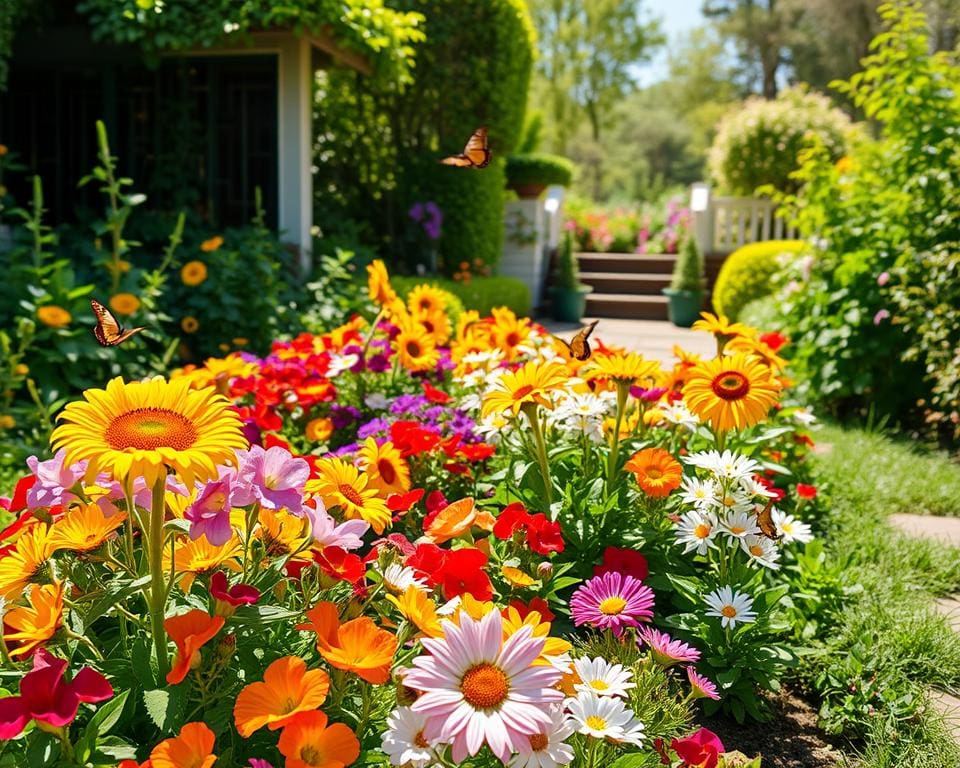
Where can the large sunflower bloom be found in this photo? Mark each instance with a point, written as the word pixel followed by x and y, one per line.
pixel 415 347
pixel 426 299
pixel 25 561
pixel 34 624
pixel 342 485
pixel 733 391
pixel 387 471
pixel 529 384
pixel 721 327
pixel 141 428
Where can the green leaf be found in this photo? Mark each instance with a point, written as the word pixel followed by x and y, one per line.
pixel 630 761
pixel 108 714
pixel 166 707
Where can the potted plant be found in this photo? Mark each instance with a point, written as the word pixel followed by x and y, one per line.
pixel 569 294
pixel 529 174
pixel 685 294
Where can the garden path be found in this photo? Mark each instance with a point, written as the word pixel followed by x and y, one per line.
pixel 654 339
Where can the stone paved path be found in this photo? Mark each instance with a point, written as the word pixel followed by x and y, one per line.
pixel 651 338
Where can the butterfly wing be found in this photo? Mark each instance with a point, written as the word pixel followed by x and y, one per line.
pixel 765 521
pixel 477 150
pixel 460 161
pixel 579 344
pixel 108 331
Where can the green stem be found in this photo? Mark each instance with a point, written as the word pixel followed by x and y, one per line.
pixel 156 598
pixel 532 413
pixel 623 391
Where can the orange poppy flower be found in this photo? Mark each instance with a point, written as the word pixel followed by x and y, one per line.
pixel 288 688
pixel 657 472
pixel 308 742
pixel 454 520
pixel 192 748
pixel 358 646
pixel 34 624
pixel 190 631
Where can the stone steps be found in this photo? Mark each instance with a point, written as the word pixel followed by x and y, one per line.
pixel 629 306
pixel 626 285
pixel 626 282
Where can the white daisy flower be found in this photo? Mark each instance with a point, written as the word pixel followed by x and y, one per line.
pixel 341 363
pixel 735 501
pixel 403 741
pixel 397 578
pixel 604 717
pixel 470 402
pixel 790 528
pixel 762 551
pixel 678 414
pixel 602 678
pixel 739 523
pixel 492 428
pixel 450 607
pixel 696 531
pixel 751 487
pixel 376 401
pixel 804 416
pixel 728 464
pixel 473 379
pixel 547 748
pixel 701 493
pixel 731 607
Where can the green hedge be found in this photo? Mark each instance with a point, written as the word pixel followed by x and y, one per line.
pixel 539 168
pixel 481 293
pixel 747 274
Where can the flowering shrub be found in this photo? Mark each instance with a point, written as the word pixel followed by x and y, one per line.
pixel 628 230
pixel 361 549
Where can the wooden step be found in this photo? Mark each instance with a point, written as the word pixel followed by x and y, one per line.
pixel 627 305
pixel 626 262
pixel 626 282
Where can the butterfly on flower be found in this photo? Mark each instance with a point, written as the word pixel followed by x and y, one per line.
pixel 475 155
pixel 108 331
pixel 579 346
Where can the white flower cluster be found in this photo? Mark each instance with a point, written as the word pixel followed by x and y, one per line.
pixel 582 413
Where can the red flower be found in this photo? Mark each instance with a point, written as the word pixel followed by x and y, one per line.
pixel 806 491
pixel 804 440
pixel 458 468
pixel 47 698
pixel 434 395
pixel 271 441
pixel 626 561
pixel 410 438
pixel 537 604
pixel 436 502
pixel 401 502
pixel 544 536
pixel 450 445
pixel 477 451
pixel 513 518
pixel 396 542
pixel 701 750
pixel 19 500
pixel 238 594
pixel 340 564
pixel 462 571
pixel 774 340
pixel 427 560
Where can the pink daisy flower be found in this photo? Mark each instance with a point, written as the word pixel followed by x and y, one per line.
pixel 612 601
pixel 479 688
pixel 665 650
pixel 701 687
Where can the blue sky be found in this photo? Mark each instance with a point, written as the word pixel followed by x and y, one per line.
pixel 677 18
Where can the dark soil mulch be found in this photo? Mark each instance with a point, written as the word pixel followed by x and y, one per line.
pixel 790 739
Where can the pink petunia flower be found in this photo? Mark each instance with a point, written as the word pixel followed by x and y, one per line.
pixel 612 601
pixel 327 533
pixel 272 477
pixel 481 689
pixel 665 650
pixel 54 480
pixel 209 515
pixel 701 687
pixel 47 698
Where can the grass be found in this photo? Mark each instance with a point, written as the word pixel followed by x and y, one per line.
pixel 889 629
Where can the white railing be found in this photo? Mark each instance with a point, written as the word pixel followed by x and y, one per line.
pixel 723 224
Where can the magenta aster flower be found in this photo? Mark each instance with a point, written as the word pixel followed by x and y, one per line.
pixel 273 477
pixel 209 515
pixel 612 601
pixel 479 688
pixel 701 687
pixel 665 650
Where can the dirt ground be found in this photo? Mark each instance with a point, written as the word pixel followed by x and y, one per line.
pixel 790 740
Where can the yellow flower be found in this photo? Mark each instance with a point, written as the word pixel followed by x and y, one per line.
pixel 627 368
pixel 517 578
pixel 22 564
pixel 508 332
pixel 217 372
pixel 426 299
pixel 53 316
pixel 283 534
pixel 142 428
pixel 3 149
pixel 21 370
pixel 417 608
pixel 124 303
pixel 415 347
pixel 553 646
pixel 211 244
pixel 34 624
pixel 721 327
pixel 7 421
pixel 378 284
pixel 733 391
pixel 342 485
pixel 437 324
pixel 193 273
pixel 758 349
pixel 193 557
pixel 189 324
pixel 240 341
pixel 387 471
pixel 530 384
pixel 844 164
pixel 319 430
pixel 84 528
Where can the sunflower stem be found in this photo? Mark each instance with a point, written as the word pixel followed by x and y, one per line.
pixel 157 596
pixel 531 411
pixel 623 391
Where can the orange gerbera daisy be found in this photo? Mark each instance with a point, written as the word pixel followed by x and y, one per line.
pixel 343 485
pixel 25 561
pixel 358 646
pixel 190 631
pixel 733 391
pixel 387 470
pixel 192 748
pixel 308 742
pixel 36 623
pixel 417 608
pixel 657 472
pixel 530 384
pixel 84 528
pixel 288 688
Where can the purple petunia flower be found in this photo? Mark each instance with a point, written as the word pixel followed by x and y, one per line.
pixel 209 515
pixel 379 363
pixel 373 428
pixel 54 480
pixel 612 601
pixel 273 477
pixel 664 649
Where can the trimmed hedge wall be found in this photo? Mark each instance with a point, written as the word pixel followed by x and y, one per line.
pixel 748 272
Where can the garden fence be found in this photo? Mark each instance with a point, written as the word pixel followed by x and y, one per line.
pixel 723 224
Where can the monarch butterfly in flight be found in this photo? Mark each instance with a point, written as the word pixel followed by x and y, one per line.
pixel 107 330
pixel 579 346
pixel 475 155
pixel 765 521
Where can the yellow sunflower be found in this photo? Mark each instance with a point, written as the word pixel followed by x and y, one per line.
pixel 124 303
pixel 416 348
pixel 733 391
pixel 84 528
pixel 32 625
pixel 378 284
pixel 426 299
pixel 628 368
pixel 141 428
pixel 193 273
pixel 437 324
pixel 387 471
pixel 189 324
pixel 721 327
pixel 24 563
pixel 758 349
pixel 530 384
pixel 508 331
pixel 343 485
pixel 193 557
pixel 282 534
pixel 53 316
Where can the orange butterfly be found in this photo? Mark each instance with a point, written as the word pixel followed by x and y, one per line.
pixel 475 155
pixel 765 521
pixel 579 346
pixel 107 330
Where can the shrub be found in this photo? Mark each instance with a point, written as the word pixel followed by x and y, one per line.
pixel 758 143
pixel 655 228
pixel 748 272
pixel 480 293
pixel 688 268
pixel 568 269
pixel 538 168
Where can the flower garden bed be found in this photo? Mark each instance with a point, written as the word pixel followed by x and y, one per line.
pixel 414 540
